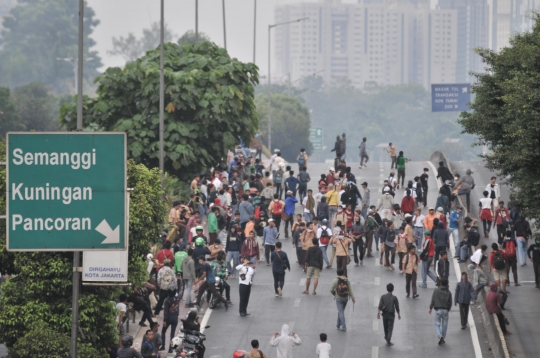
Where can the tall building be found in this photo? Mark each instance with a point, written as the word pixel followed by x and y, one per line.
pixel 508 17
pixel 385 41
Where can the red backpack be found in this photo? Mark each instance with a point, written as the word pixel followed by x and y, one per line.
pixel 278 208
pixel 510 249
pixel 257 212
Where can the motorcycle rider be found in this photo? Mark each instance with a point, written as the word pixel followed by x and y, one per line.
pixel 220 269
pixel 193 324
pixel 208 284
pixel 126 351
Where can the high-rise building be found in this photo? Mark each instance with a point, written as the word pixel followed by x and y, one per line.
pixel 508 17
pixel 385 41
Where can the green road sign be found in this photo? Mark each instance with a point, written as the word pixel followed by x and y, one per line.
pixel 66 191
pixel 315 134
pixel 317 146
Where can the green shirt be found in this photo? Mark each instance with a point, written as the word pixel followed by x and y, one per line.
pixel 212 223
pixel 178 258
pixel 401 162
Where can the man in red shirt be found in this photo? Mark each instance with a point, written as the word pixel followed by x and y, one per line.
pixel 497 260
pixel 502 220
pixel 350 217
pixel 164 253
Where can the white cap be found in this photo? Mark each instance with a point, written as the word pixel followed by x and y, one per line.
pixel 270 220
pixel 386 188
pixel 440 209
pixel 276 150
pixel 332 169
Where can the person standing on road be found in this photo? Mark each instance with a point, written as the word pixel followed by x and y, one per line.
pixel 166 279
pixel 400 166
pixel 270 236
pixel 341 289
pixel 332 198
pixel 280 263
pixel 250 248
pixel 392 151
pixel 358 244
pixel 324 348
pixel 276 207
pixel 388 306
pixel 441 239
pixel 497 259
pixel 418 227
pixel 171 310
pixel 523 232
pixel 313 266
pixel 245 279
pixel 509 246
pixel 463 296
pixel 308 203
pixel 386 202
pixel 534 255
pixel 502 220
pixel 285 342
pixel 363 153
pixel 324 234
pixel 306 240
pixel 209 283
pixel 343 146
pixel 453 227
pixel 366 196
pixel 424 178
pixel 410 267
pixel 290 203
pixel 494 193
pixel 441 300
pixel 189 275
pixel 428 252
pixel 486 215
pixel 467 184
pixel 302 160
pixel 342 243
pixel 304 178
pixel 246 213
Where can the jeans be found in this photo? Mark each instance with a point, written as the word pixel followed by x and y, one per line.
pixel 463 313
pixel 388 324
pixel 455 235
pixel 376 239
pixel 173 322
pixel 364 211
pixel 522 250
pixel 279 190
pixel 467 197
pixel 358 246
pixel 332 211
pixel 474 293
pixel 302 191
pixel 267 250
pixel 279 280
pixel 189 286
pixel 232 255
pixel 389 259
pixel 418 231
pixel 426 272
pixel 410 279
pixel 441 322
pixel 341 303
pixel 324 255
pixel 245 292
pixel 308 217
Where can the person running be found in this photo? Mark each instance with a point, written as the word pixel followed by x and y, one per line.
pixel 285 342
pixel 280 263
pixel 341 290
pixel 534 255
pixel 313 266
pixel 443 173
pixel 363 153
pixel 441 301
pixel 400 165
pixel 245 279
pixel 410 267
pixel 388 306
pixel 463 296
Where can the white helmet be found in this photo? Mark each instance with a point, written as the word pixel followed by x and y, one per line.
pixel 149 257
pixel 176 342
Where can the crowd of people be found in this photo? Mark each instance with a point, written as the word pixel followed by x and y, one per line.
pixel 231 224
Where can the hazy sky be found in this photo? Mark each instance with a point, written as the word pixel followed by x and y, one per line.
pixel 120 17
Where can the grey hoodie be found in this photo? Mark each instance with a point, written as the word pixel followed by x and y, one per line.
pixel 478 276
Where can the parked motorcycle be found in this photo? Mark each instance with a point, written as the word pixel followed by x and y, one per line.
pixel 189 344
pixel 212 300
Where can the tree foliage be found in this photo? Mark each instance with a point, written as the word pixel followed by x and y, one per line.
pixel 9 118
pixel 506 116
pixel 208 105
pixel 35 304
pixel 290 123
pixel 190 38
pixel 37 108
pixel 38 32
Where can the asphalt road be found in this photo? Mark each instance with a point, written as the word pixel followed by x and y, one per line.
pixel 310 315
pixel 521 309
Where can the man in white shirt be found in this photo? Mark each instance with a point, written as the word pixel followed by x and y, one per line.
pixel 418 227
pixel 323 244
pixel 245 277
pixel 323 348
pixel 122 309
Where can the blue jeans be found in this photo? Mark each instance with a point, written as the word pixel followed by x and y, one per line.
pixel 376 239
pixel 455 235
pixel 441 322
pixel 308 217
pixel 324 255
pixel 332 211
pixel 341 303
pixel 234 255
pixel 522 250
pixel 474 293
pixel 189 286
pixel 364 211
pixel 426 272
pixel 418 231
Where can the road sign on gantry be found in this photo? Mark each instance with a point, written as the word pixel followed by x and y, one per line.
pixel 66 191
pixel 450 97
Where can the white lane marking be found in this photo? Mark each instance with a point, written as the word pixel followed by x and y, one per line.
pixel 375 301
pixel 377 281
pixel 291 326
pixel 374 352
pixel 302 282
pixel 377 263
pixel 297 302
pixel 470 320
pixel 205 319
pixel 375 325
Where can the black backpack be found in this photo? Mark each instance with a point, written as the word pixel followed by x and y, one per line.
pixel 498 261
pixel 342 288
pixel 473 237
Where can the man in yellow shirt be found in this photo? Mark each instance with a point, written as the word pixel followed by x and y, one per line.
pixel 332 198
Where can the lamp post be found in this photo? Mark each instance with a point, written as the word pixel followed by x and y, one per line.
pixel 161 88
pixel 224 26
pixel 270 27
pixel 196 20
pixel 254 28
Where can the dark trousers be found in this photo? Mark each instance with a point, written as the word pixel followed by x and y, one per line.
pixel 299 255
pixel 358 246
pixel 401 175
pixel 159 306
pixel 147 315
pixel 369 243
pixel 438 250
pixel 172 324
pixel 388 324
pixel 463 313
pixel 277 220
pixel 267 250
pixel 410 278
pixel 424 196
pixel 387 251
pixel 536 267
pixel 279 190
pixel 342 263
pixel 245 291
pixel 302 191
pixel 393 164
pixel 227 290
pixel 279 280
pixel 501 230
pixel 502 323
pixel 287 223
pixel 401 255
pixel 212 237
pixel 511 263
pixel 210 287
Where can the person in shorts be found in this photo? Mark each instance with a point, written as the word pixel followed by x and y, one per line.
pixel 313 265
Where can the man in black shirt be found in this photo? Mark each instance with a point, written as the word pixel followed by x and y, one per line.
pixel 424 180
pixel 388 305
pixel 535 250
pixel 444 173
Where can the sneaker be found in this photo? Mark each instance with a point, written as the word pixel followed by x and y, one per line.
pixel 415 295
pixel 280 292
pixel 328 266
pixel 408 295
pixel 355 265
pixel 443 341
pixel 142 324
pixel 389 344
pixel 342 328
pixel 277 294
pixel 440 341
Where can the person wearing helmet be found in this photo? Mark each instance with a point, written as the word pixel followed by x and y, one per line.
pixel 240 354
pixel 199 250
pixel 126 351
pixel 209 283
pixel 199 234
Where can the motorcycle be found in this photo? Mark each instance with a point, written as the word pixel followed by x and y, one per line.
pixel 189 344
pixel 212 300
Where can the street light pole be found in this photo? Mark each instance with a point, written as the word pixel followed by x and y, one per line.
pixel 161 88
pixel 270 27
pixel 254 29
pixel 224 26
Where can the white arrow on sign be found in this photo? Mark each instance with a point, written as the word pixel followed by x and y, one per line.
pixel 112 236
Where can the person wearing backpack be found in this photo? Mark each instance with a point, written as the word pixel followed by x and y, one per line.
pixel 166 279
pixel 276 207
pixel 302 159
pixel 324 234
pixel 509 245
pixel 502 220
pixel 441 301
pixel 341 289
pixel 388 306
pixel 498 266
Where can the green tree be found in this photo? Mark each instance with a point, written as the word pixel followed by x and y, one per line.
pixel 290 123
pixel 131 48
pixel 189 37
pixel 505 115
pixel 37 300
pixel 9 118
pixel 39 32
pixel 209 104
pixel 37 108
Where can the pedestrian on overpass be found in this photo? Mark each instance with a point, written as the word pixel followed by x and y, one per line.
pixel 441 301
pixel 443 173
pixel 467 184
pixel 424 178
pixel 410 267
pixel 363 153
pixel 285 342
pixel 392 151
pixel 463 296
pixel 341 289
pixel 388 306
